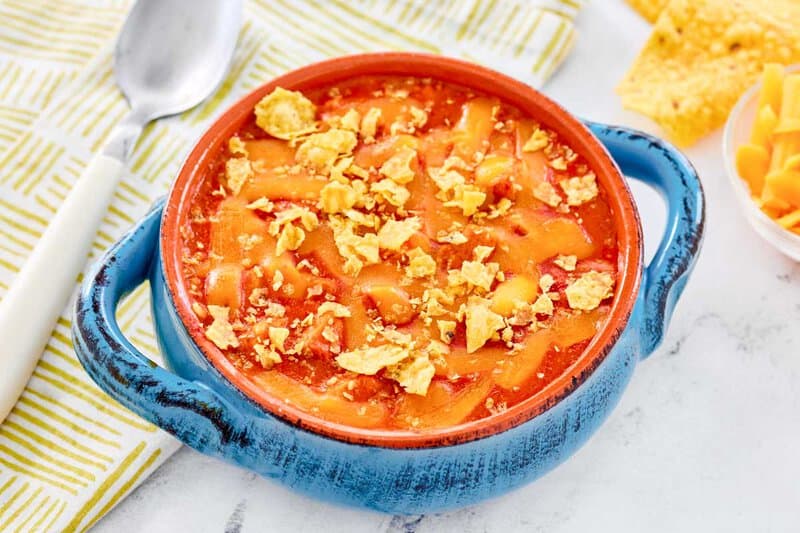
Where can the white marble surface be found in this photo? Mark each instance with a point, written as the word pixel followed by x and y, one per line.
pixel 706 437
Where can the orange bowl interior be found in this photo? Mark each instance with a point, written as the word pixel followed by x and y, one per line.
pixel 528 100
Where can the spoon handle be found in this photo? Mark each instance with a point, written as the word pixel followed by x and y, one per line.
pixel 31 307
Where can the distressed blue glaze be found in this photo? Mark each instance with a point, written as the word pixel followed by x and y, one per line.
pixel 199 406
pixel 662 166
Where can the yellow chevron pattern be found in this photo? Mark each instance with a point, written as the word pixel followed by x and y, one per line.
pixel 68 453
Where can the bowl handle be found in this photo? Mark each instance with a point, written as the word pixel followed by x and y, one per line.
pixel 187 409
pixel 661 165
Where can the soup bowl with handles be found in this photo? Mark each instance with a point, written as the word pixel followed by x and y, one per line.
pixel 202 399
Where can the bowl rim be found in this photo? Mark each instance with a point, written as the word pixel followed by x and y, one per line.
pixel 487 81
pixel 765 226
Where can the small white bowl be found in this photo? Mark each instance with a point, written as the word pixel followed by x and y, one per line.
pixel 737 132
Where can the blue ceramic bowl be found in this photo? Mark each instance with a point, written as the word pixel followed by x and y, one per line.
pixel 200 405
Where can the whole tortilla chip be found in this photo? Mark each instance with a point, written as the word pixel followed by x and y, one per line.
pixel 702 55
pixel 649 9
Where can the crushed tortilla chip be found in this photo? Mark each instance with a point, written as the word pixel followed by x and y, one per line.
pixel 336 197
pixel 220 332
pixel 702 55
pixel 398 167
pixel 290 238
pixel 389 191
pixel 420 264
pixel 285 114
pixel 237 171
pixel 413 374
pixel 481 323
pixel 320 150
pixel 395 233
pixel 371 360
pixel 580 189
pixel 266 356
pixel 589 290
pixel 369 125
pixel 277 337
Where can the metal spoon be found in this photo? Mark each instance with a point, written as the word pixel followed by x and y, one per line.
pixel 170 56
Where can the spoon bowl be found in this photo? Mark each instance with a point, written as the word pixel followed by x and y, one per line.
pixel 165 54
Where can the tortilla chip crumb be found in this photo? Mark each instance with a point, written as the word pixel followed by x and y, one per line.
pixel 350 120
pixel 566 262
pixel 336 197
pixel 390 191
pixel 589 290
pixel 420 264
pixel 237 171
pixel 398 167
pixel 537 141
pixel 481 322
pixel 394 233
pixel 277 337
pixel 285 114
pixel 543 305
pixel 320 150
pixel 580 190
pixel 291 238
pixel 467 197
pixel 371 360
pixel 220 332
pixel 266 356
pixel 547 194
pixel 419 117
pixel 414 374
pixel 447 330
pixel 336 309
pixel 237 146
pixel 369 125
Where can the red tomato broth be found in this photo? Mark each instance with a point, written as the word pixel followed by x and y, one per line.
pixel 317 371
